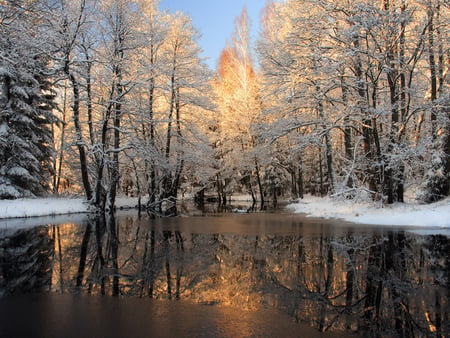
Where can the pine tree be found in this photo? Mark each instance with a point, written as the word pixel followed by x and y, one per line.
pixel 26 110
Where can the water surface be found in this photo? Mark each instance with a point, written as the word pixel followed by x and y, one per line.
pixel 224 275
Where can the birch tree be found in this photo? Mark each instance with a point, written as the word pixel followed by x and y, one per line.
pixel 239 103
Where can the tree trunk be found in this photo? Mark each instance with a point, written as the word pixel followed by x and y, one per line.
pixel 100 198
pixel 321 187
pixel 329 155
pixel 260 187
pixel 62 142
pixel 80 143
pixel 347 132
pixel 180 161
pixel 115 174
pixel 118 73
pixel 432 64
pixel 367 127
pixel 167 176
pixel 89 95
pixel 152 184
pixel 389 183
pixel 301 189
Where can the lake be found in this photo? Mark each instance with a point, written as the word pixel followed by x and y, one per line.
pixel 222 275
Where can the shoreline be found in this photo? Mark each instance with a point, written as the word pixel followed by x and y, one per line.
pixel 436 215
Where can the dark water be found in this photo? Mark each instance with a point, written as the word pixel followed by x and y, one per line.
pixel 223 275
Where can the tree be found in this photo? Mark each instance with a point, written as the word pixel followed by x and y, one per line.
pixel 239 103
pixel 65 34
pixel 119 35
pixel 298 63
pixel 185 100
pixel 26 104
pixel 437 177
pixel 353 77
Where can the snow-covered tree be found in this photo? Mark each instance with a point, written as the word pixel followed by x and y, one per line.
pixel 299 77
pixel 239 105
pixel 354 79
pixel 437 177
pixel 185 100
pixel 26 103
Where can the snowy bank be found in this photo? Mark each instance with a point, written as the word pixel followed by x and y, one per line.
pixel 29 207
pixel 399 214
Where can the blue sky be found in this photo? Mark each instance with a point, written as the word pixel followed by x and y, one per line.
pixel 215 20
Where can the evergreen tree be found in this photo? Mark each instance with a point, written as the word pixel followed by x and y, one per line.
pixel 26 105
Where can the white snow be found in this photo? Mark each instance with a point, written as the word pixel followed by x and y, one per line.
pixel 399 214
pixel 30 207
pixel 36 207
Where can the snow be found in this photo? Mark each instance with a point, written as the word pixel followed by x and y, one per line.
pixel 28 207
pixel 4 129
pixel 435 215
pixel 36 207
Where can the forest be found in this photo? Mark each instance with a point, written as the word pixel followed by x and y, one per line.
pixel 340 98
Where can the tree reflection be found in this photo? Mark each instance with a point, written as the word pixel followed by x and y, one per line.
pixel 379 284
pixel 25 261
pixel 83 254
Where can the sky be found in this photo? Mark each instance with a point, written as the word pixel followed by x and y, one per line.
pixel 215 21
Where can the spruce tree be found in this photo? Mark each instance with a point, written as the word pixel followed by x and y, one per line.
pixel 26 110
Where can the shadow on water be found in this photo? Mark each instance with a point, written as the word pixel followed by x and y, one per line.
pixel 230 270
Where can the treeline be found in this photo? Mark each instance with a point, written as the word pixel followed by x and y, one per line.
pixel 359 93
pixel 113 97
pixel 131 93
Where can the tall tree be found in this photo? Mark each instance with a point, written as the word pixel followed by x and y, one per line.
pixel 65 37
pixel 187 79
pixel 437 178
pixel 120 42
pixel 26 102
pixel 298 64
pixel 239 103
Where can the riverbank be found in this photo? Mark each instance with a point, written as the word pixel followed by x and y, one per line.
pixel 400 214
pixel 36 207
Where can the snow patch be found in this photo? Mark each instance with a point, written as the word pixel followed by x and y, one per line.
pixel 399 214
pixel 29 207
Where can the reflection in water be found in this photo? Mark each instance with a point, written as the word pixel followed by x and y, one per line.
pixel 25 261
pixel 376 283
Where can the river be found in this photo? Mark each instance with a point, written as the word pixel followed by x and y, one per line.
pixel 222 275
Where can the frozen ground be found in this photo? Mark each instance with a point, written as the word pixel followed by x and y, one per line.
pixel 435 215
